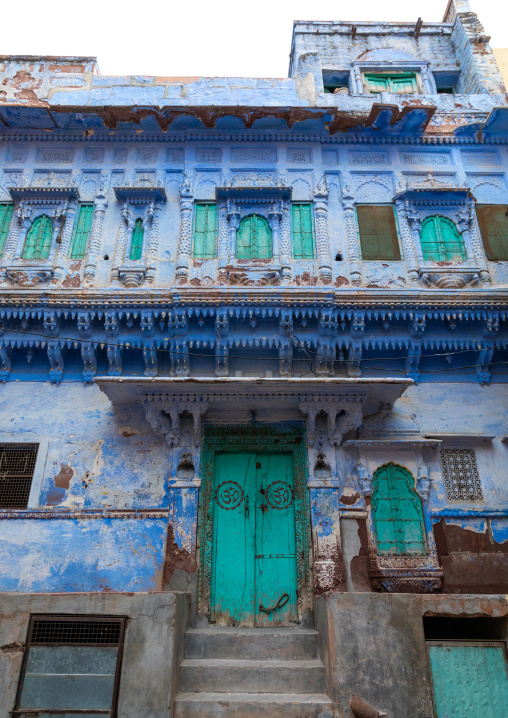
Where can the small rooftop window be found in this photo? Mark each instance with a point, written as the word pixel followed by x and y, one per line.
pixel 399 83
pixel 335 80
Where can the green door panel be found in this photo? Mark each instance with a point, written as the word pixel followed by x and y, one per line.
pixel 82 231
pixel 38 239
pixel 254 572
pixel 441 240
pixel 275 541
pixel 232 597
pixel 397 512
pixel 303 240
pixel 254 238
pixel 6 211
pixel 205 231
pixel 469 681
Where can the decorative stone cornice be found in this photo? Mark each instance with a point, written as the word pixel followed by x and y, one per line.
pixel 84 514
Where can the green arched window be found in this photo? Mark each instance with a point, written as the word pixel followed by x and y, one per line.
pixel 397 512
pixel 38 239
pixel 254 238
pixel 137 241
pixel 441 240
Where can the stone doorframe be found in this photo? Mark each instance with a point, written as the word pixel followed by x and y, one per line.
pixel 261 438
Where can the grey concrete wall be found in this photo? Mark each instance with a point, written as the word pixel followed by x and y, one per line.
pixel 374 646
pixel 153 649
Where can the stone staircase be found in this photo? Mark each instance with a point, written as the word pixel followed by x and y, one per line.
pixel 251 672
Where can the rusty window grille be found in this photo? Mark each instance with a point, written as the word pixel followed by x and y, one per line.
pixel 460 474
pixel 17 465
pixel 71 667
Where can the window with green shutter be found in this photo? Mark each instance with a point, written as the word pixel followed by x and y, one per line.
pixel 378 232
pixel 441 241
pixel 82 231
pixel 205 231
pixel 303 239
pixel 397 512
pixel 137 241
pixel 404 83
pixel 493 221
pixel 5 222
pixel 254 238
pixel 38 239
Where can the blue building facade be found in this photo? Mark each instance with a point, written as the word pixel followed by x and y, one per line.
pixel 200 265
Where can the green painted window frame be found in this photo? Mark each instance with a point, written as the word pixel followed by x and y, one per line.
pixel 136 250
pixel 391 82
pixel 303 230
pixel 397 513
pixel 493 223
pixel 6 211
pixel 38 239
pixel 387 242
pixel 254 238
pixel 82 231
pixel 441 241
pixel 205 230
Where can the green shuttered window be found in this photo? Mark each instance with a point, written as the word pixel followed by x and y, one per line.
pixel 378 232
pixel 441 241
pixel 402 82
pixel 82 231
pixel 38 239
pixel 205 231
pixel 303 239
pixel 5 222
pixel 397 512
pixel 493 221
pixel 137 241
pixel 254 238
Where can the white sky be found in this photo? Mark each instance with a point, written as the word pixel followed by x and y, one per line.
pixel 241 38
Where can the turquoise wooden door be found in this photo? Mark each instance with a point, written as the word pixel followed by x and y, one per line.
pixel 254 573
pixel 469 680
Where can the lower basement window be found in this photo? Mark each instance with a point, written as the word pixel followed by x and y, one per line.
pixel 71 665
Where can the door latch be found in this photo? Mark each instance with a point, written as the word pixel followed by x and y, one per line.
pixel 247 506
pixel 281 602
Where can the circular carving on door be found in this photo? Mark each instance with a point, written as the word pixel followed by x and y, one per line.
pixel 229 495
pixel 279 495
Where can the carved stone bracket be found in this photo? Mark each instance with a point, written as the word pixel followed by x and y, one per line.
pixel 29 275
pixel 131 275
pixel 164 416
pixel 342 416
pixel 450 277
pixel 405 574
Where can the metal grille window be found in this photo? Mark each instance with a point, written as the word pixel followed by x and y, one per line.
pixel 71 666
pixel 17 464
pixel 460 473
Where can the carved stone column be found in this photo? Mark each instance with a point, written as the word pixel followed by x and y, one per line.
pixel 124 233
pixel 153 242
pixel 285 244
pixel 234 223
pixel 223 238
pixel 324 259
pixel 358 84
pixel 63 248
pixel 409 226
pixel 468 225
pixel 429 87
pixel 185 236
pixel 353 245
pixel 274 218
pixel 94 243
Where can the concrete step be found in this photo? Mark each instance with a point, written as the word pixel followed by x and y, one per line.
pixel 248 676
pixel 251 705
pixel 285 644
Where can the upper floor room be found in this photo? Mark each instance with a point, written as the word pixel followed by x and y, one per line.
pixel 398 58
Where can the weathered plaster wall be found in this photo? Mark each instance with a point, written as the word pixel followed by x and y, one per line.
pixel 375 647
pixel 153 646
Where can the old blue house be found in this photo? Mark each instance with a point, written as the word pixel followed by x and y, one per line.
pixel 253 346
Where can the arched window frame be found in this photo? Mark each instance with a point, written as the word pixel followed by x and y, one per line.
pixel 405 477
pixel 256 251
pixel 441 253
pixel 39 249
